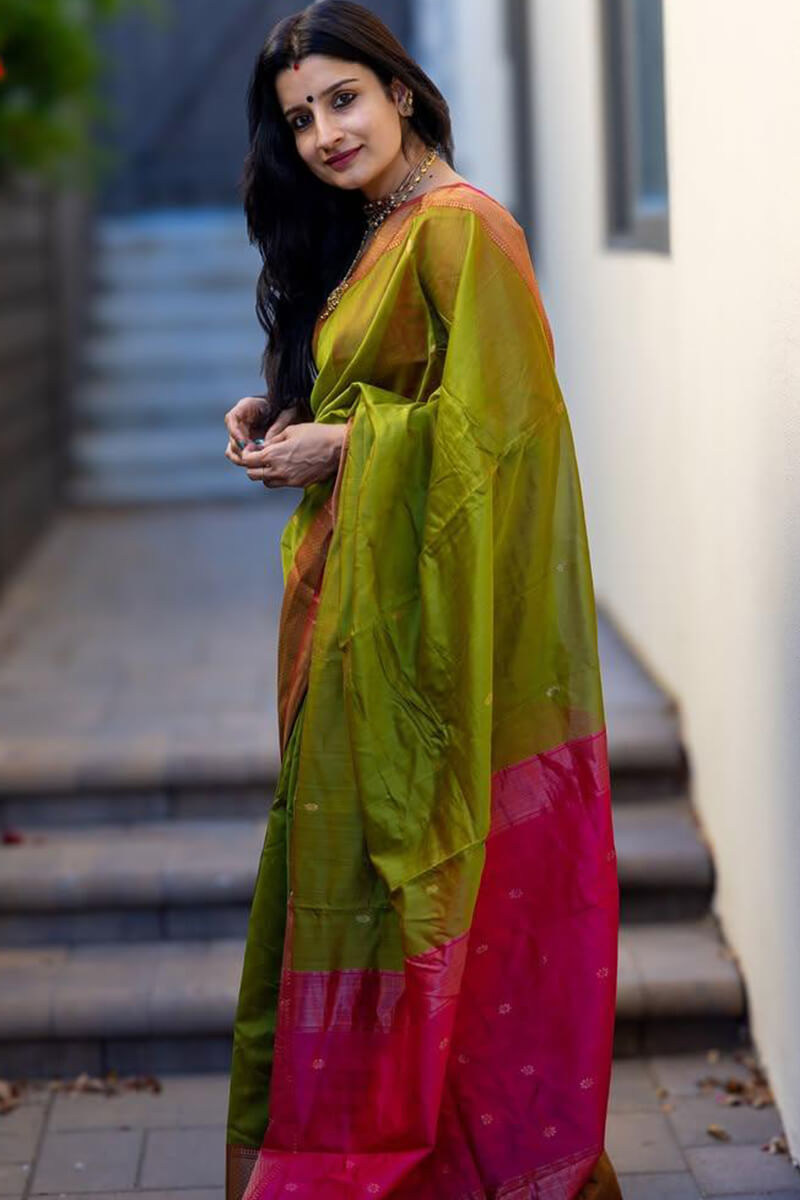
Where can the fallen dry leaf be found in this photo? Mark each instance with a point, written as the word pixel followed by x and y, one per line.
pixel 716 1131
pixel 9 1096
pixel 776 1145
pixel 109 1085
pixel 733 1091
pixel 145 1083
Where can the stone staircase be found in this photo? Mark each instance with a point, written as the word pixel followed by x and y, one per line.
pixel 123 912
pixel 173 342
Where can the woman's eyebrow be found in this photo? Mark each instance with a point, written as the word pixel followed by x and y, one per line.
pixel 324 92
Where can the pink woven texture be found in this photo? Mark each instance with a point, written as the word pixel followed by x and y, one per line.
pixel 483 1069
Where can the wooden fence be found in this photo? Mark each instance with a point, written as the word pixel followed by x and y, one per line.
pixel 43 285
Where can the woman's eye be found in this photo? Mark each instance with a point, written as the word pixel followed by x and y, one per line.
pixel 346 97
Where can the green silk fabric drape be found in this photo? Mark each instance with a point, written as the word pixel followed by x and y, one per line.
pixel 439 652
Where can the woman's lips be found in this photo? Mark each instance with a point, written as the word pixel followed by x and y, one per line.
pixel 339 164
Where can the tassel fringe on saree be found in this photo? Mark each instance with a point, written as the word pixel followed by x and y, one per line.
pixel 427 1001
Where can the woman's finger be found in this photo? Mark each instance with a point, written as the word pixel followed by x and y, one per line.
pixel 281 422
pixel 253 456
pixel 235 428
pixel 232 453
pixel 279 435
pixel 238 427
pixel 261 475
pixel 258 468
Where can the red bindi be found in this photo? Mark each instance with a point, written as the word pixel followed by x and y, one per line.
pixel 297 66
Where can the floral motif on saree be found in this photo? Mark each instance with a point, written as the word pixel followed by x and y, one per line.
pixel 442 953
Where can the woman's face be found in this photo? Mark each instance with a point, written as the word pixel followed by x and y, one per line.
pixel 333 106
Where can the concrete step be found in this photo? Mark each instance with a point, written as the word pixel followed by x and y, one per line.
pixel 166 252
pixel 169 1006
pixel 137 663
pixel 194 787
pixel 151 682
pixel 183 311
pixel 161 229
pixel 122 775
pixel 173 342
pixel 188 879
pixel 214 271
pixel 664 864
pixel 155 465
pixel 643 721
pixel 142 487
pixel 181 399
pixel 181 879
pixel 157 448
pixel 173 269
pixel 679 989
pixel 113 353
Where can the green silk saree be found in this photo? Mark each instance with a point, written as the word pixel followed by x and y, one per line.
pixel 427 1000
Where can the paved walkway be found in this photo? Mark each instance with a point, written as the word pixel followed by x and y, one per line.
pixel 139 647
pixel 140 643
pixel 171 1144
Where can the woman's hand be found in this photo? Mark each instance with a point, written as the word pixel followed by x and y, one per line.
pixel 301 454
pixel 247 420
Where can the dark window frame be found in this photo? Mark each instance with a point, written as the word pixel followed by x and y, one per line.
pixel 517 28
pixel 630 224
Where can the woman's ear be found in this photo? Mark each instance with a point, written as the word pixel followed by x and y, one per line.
pixel 403 98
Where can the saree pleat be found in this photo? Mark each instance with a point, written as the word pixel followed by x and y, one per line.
pixel 427 1000
pixel 257 1007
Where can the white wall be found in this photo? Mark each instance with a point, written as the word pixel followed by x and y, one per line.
pixel 682 376
pixel 452 39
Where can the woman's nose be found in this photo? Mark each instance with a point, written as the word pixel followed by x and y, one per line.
pixel 328 132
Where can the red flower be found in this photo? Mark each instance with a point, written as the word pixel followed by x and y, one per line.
pixel 2 69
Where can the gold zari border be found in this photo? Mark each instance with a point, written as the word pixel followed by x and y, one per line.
pixel 239 1163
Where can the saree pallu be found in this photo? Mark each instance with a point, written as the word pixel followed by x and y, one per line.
pixel 427 1000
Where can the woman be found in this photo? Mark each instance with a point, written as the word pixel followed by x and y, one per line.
pixel 427 999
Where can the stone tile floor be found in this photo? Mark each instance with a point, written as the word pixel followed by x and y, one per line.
pixel 136 640
pixel 139 645
pixel 171 1144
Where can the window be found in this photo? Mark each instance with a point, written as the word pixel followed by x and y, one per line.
pixel 636 157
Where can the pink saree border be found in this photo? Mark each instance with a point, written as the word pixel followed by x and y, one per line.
pixel 482 1069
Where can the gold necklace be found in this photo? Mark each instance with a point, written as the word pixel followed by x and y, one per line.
pixel 376 212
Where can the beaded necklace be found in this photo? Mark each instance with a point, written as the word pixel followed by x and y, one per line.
pixel 376 212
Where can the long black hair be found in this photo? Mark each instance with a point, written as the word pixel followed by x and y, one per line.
pixel 308 231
